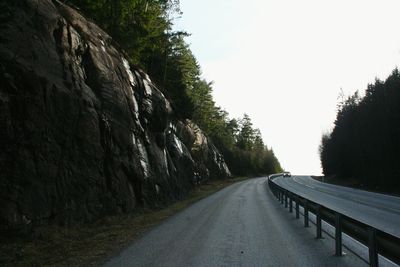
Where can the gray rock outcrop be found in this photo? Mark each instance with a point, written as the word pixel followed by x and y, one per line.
pixel 84 134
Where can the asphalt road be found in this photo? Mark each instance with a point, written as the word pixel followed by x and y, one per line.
pixel 241 225
pixel 378 210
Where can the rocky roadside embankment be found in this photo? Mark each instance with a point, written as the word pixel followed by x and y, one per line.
pixel 84 134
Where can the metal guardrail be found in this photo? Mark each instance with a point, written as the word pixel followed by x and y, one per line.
pixel 377 241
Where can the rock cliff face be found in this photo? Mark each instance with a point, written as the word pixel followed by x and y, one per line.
pixel 83 133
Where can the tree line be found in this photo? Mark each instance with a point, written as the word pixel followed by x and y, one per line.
pixel 364 144
pixel 143 29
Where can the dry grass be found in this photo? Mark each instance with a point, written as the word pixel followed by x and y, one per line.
pixel 91 244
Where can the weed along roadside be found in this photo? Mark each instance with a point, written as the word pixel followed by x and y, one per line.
pixel 91 244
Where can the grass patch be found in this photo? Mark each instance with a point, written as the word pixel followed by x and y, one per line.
pixel 91 244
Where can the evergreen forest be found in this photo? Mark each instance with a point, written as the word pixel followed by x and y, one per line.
pixel 364 144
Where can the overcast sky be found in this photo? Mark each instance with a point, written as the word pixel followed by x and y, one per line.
pixel 283 62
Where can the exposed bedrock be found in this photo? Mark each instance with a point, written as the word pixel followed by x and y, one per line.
pixel 83 133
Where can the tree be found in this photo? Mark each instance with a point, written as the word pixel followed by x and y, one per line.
pixel 246 135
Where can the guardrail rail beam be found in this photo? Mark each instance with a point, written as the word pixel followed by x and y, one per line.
pixel 375 239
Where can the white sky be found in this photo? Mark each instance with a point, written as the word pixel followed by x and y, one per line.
pixel 283 62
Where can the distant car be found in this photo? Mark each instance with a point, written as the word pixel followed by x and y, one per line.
pixel 286 174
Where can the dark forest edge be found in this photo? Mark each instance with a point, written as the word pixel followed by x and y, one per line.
pixel 363 148
pixel 143 29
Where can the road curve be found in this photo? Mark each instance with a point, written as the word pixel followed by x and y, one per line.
pixel 241 225
pixel 378 210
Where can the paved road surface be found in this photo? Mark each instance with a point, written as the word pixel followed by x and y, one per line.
pixel 241 225
pixel 378 210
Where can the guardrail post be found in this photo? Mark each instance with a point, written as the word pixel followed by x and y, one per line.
pixel 373 250
pixel 286 200
pixel 297 207
pixel 305 213
pixel 338 234
pixel 290 204
pixel 319 228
